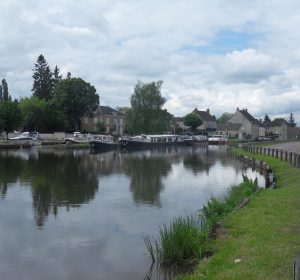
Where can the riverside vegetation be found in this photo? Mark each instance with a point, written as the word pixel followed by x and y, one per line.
pixel 187 239
pixel 259 241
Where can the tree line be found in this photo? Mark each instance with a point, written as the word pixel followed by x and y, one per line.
pixel 56 103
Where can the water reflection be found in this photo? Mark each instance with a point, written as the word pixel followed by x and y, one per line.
pixel 72 214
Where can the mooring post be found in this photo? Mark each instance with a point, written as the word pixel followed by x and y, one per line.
pixel 285 156
pixel 281 154
pixel 296 272
pixel 290 157
pixel 268 151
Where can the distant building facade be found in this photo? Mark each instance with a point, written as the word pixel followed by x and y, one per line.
pixel 249 125
pixel 232 130
pixel 278 128
pixel 209 122
pixel 113 120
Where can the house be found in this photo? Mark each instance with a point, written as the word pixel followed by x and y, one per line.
pixel 250 125
pixel 278 128
pixel 209 123
pixel 232 130
pixel 113 120
pixel 293 133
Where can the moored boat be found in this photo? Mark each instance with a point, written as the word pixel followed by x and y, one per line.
pixel 104 142
pixel 148 141
pixel 78 138
pixel 196 140
pixel 218 140
pixel 25 139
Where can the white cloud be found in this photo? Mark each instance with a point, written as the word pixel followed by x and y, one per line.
pixel 112 44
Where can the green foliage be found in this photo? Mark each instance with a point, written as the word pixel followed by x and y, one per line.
pixel 192 120
pixel 42 79
pixel 100 127
pixel 291 120
pixel 75 98
pixel 189 238
pixel 41 115
pixel 10 116
pixel 146 114
pixel 224 118
pixel 5 94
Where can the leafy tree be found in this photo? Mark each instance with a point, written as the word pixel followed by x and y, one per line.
pixel 291 120
pixel 75 98
pixel 5 94
pixel 56 77
pixel 224 118
pixel 192 120
pixel 100 127
pixel 42 79
pixel 267 120
pixel 10 116
pixel 146 114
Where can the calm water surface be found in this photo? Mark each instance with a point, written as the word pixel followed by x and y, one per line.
pixel 72 214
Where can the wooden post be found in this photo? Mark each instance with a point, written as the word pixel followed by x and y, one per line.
pixel 290 157
pixel 276 153
pixel 268 151
pixel 285 156
pixel 296 274
pixel 281 154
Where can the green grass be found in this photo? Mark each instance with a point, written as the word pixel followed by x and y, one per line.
pixel 187 239
pixel 264 235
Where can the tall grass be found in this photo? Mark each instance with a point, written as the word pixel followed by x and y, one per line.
pixel 186 239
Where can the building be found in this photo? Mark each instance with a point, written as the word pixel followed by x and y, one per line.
pixel 209 122
pixel 232 130
pixel 249 125
pixel 113 120
pixel 278 128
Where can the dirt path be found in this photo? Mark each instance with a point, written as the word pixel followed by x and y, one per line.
pixel 293 147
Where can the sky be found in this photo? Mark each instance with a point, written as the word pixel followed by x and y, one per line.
pixel 212 54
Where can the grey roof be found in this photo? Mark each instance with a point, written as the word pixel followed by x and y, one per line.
pixel 228 126
pixel 278 122
pixel 106 110
pixel 204 115
pixel 248 116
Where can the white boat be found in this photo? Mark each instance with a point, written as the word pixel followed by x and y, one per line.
pixel 103 142
pixel 78 138
pixel 196 140
pixel 25 139
pixel 218 140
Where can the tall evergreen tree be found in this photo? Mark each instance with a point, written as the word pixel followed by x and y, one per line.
pixel 69 75
pixel 266 121
pixel 5 94
pixel 56 77
pixel 291 120
pixel 42 79
pixel 1 95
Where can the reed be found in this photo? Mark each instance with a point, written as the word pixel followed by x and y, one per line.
pixel 187 239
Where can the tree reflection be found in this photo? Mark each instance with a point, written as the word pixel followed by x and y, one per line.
pixel 198 163
pixel 56 180
pixel 146 178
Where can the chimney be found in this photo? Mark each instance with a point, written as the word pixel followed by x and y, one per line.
pixel 207 110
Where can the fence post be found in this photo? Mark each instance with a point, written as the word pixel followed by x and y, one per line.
pixel 296 274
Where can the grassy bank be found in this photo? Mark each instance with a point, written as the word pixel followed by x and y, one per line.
pixel 188 239
pixel 264 236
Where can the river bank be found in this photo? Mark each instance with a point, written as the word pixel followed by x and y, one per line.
pixel 259 241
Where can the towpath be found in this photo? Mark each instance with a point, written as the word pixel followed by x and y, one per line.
pixel 293 147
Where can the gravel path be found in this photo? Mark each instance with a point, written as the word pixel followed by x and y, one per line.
pixel 293 147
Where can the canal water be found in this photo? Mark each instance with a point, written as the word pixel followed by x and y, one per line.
pixel 74 214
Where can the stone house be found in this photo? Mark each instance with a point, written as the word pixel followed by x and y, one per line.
pixel 250 125
pixel 113 120
pixel 232 130
pixel 209 122
pixel 278 128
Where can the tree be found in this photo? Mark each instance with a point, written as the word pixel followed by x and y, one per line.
pixel 69 75
pixel 291 120
pixel 42 79
pixel 56 77
pixel 1 94
pixel 75 98
pixel 5 94
pixel 224 118
pixel 100 127
pixel 146 114
pixel 10 116
pixel 266 121
pixel 192 120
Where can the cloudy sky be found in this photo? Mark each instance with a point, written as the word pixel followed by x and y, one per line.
pixel 213 54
